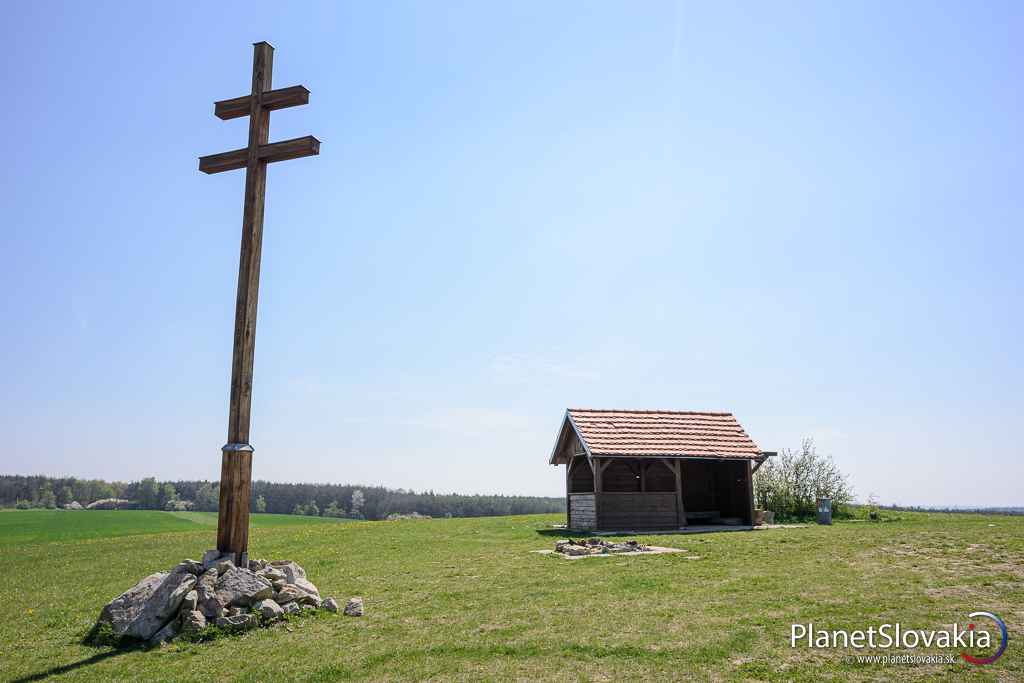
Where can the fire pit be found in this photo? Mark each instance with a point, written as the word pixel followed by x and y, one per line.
pixel 597 546
pixel 569 549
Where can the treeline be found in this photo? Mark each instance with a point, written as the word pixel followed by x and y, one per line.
pixel 332 500
pixel 959 510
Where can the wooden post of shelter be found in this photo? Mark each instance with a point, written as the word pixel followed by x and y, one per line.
pixel 236 454
pixel 677 470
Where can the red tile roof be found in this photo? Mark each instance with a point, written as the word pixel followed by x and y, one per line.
pixel 662 433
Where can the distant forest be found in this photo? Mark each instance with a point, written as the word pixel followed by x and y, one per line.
pixel 325 500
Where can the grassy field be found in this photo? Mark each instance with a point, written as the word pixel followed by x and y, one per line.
pixel 466 599
pixel 47 526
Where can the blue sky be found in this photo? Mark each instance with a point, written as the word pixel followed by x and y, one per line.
pixel 808 214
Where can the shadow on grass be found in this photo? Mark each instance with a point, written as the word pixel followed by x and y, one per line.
pixel 65 668
pixel 98 637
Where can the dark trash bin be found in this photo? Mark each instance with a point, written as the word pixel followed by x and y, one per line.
pixel 824 511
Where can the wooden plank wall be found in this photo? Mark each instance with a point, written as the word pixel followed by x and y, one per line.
pixel 637 511
pixel 582 511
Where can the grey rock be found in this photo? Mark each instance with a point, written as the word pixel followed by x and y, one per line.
pixel 290 569
pixel 193 621
pixel 279 584
pixel 212 609
pixel 330 604
pixel 224 566
pixel 239 586
pixel 111 504
pixel 308 608
pixel 573 549
pixel 210 558
pixel 269 609
pixel 123 610
pixel 166 634
pixel 308 599
pixel 190 566
pixel 354 607
pixel 257 565
pixel 191 601
pixel 145 608
pixel 239 621
pixel 291 608
pixel 288 594
pixel 74 505
pixel 307 586
pixel 208 579
pixel 206 590
pixel 272 574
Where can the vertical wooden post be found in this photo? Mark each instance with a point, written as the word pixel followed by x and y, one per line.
pixel 750 489
pixel 236 458
pixel 677 469
pixel 643 476
pixel 568 493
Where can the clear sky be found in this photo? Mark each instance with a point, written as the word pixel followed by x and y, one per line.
pixel 809 214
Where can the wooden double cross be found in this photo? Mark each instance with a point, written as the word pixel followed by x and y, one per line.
pixel 236 454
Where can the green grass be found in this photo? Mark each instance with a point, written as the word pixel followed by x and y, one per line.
pixel 466 599
pixel 37 526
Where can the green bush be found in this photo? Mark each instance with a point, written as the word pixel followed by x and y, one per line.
pixel 790 484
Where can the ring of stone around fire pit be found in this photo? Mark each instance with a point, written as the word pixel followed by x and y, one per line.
pixel 597 546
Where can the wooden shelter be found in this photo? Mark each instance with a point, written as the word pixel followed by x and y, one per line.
pixel 634 470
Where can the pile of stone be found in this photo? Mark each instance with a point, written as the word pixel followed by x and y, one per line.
pixel 597 546
pixel 194 595
pixel 112 504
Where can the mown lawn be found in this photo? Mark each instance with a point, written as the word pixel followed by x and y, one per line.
pixel 19 527
pixel 466 599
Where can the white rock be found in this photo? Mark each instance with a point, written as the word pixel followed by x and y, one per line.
pixel 272 574
pixel 211 558
pixel 288 594
pixel 190 602
pixel 307 586
pixel 190 566
pixel 269 609
pixel 239 586
pixel 145 608
pixel 206 590
pixel 239 621
pixel 123 610
pixel 193 621
pixel 290 569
